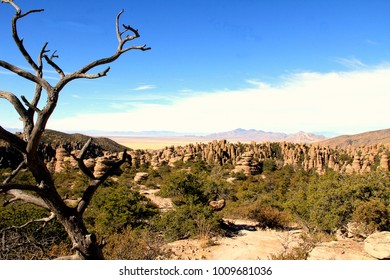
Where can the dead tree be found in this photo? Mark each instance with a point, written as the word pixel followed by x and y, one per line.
pixel 44 192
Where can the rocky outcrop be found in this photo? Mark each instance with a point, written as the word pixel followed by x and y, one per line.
pixel 247 164
pixel 241 157
pixel 377 245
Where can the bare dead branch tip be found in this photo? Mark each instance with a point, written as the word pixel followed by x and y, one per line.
pixel 29 105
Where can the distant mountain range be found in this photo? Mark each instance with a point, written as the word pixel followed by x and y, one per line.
pixel 244 135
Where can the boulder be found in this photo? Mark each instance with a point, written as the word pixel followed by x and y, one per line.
pixel 378 245
pixel 140 176
pixel 217 205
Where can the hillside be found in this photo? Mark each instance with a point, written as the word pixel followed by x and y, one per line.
pixel 361 139
pixel 55 137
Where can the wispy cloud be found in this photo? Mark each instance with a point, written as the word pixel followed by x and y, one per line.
pixel 144 87
pixel 351 62
pixel 372 42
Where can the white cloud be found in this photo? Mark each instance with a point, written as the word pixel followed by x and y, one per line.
pixel 344 102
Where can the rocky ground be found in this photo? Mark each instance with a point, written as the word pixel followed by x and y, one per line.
pixel 247 242
pixel 255 244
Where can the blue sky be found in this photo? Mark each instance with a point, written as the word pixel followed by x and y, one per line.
pixel 214 65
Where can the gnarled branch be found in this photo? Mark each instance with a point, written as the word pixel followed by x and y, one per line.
pixel 90 191
pixel 11 98
pixel 25 197
pixel 80 160
pixel 83 72
pixel 42 220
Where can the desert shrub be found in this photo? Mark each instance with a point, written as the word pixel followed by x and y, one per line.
pixel 135 244
pixel 182 186
pixel 305 245
pixel 239 175
pixel 214 189
pixel 372 215
pixel 327 202
pixel 114 208
pixel 268 165
pixel 188 220
pixel 269 217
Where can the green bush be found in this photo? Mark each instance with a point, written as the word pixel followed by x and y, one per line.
pixel 373 215
pixel 114 208
pixel 189 220
pixel 182 186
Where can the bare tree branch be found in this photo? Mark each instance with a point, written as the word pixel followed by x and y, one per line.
pixel 25 74
pixel 42 220
pixel 80 160
pixel 90 191
pixel 82 73
pixel 27 198
pixel 29 105
pixel 11 98
pixel 14 173
pixel 69 258
pixel 50 61
pixel 19 42
pixel 13 140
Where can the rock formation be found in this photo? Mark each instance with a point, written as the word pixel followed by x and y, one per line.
pixel 384 163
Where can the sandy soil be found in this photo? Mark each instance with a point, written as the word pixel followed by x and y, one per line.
pixel 154 143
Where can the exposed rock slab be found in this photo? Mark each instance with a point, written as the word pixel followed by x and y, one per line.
pixel 339 250
pixel 378 245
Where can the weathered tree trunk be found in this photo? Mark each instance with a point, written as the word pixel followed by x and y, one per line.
pixel 44 193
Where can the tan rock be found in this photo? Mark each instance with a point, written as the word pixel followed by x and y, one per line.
pixel 384 163
pixel 339 250
pixel 217 205
pixel 378 245
pixel 140 176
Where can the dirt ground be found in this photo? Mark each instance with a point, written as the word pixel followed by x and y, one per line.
pixel 248 243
